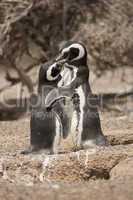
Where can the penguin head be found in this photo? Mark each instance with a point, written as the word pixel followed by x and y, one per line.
pixel 73 53
pixel 49 74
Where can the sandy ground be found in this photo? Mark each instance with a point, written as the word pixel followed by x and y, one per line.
pixel 100 173
pixel 96 173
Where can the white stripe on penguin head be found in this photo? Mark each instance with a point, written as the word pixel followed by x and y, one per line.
pixel 49 73
pixel 77 46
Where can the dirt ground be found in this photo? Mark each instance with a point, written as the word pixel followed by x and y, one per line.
pixel 104 173
pixel 99 173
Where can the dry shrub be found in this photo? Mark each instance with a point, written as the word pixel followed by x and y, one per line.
pixel 106 27
pixel 108 34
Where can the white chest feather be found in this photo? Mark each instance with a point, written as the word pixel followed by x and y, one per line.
pixel 68 76
pixel 77 120
pixel 58 133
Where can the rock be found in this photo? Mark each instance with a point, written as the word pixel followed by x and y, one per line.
pixel 123 170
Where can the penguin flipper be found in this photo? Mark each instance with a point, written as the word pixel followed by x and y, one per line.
pixel 54 96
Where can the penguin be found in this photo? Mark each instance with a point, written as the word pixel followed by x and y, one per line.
pixel 45 124
pixel 85 121
pixel 50 75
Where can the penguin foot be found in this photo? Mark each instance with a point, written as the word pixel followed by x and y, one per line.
pixel 102 141
pixel 36 150
pixel 88 144
pixel 92 143
pixel 26 151
pixel 30 150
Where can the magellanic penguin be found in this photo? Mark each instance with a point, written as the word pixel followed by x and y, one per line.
pixel 46 127
pixel 85 123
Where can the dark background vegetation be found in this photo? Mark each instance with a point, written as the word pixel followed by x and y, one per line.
pixel 31 32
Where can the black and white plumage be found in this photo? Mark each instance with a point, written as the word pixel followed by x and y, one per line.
pixel 46 126
pixel 49 78
pixel 50 119
pixel 85 122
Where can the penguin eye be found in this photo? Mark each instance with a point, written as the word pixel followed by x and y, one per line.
pixel 74 52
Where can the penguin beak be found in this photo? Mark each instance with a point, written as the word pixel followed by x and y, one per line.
pixel 60 59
